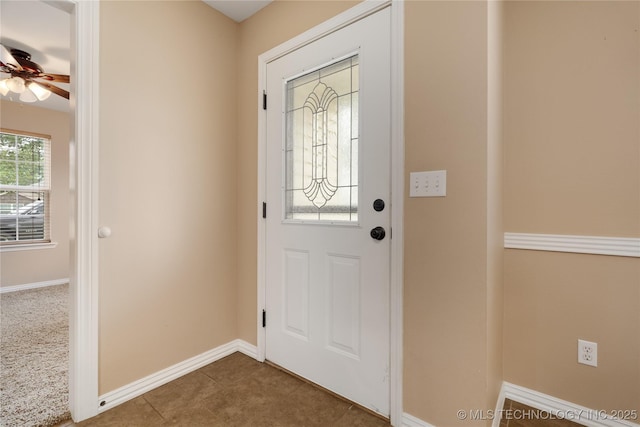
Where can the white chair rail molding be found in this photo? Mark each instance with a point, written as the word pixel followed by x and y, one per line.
pixel 597 245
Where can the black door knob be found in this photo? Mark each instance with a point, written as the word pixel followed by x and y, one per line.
pixel 378 233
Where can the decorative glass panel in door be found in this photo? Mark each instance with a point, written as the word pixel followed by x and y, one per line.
pixel 321 162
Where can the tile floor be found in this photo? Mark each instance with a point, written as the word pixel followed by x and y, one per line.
pixel 235 391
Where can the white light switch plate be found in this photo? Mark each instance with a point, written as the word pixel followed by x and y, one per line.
pixel 428 184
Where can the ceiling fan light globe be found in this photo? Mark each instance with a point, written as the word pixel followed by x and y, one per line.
pixel 40 92
pixel 4 89
pixel 28 96
pixel 16 84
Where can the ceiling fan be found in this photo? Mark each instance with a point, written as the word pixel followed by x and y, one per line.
pixel 28 78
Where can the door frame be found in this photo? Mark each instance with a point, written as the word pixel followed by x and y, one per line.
pixel 396 281
pixel 83 274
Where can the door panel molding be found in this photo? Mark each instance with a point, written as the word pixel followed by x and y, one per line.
pixel 356 13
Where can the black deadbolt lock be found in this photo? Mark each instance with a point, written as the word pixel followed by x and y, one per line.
pixel 378 205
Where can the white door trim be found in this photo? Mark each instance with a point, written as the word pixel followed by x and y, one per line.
pixel 83 313
pixel 397 211
pixel 359 11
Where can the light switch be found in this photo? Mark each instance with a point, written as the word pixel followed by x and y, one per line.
pixel 428 184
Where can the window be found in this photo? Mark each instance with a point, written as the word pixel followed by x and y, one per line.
pixel 322 144
pixel 24 187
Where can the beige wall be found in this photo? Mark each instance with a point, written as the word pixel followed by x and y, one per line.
pixel 178 176
pixel 551 300
pixel 572 76
pixel 452 291
pixel 24 267
pixel 167 185
pixel 572 137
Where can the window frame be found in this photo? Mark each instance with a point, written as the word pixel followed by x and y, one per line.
pixel 46 242
pixel 292 210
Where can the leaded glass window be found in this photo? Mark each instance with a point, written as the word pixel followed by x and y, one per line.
pixel 321 161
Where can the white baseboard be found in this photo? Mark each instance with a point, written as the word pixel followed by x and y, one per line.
pixel 411 421
pixel 247 349
pixel 27 286
pixel 560 408
pixel 137 388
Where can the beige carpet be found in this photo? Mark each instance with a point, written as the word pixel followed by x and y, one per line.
pixel 34 357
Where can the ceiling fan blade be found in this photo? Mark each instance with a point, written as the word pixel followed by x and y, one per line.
pixel 60 78
pixel 55 89
pixel 7 60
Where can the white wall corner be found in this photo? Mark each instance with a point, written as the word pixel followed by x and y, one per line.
pixel 247 349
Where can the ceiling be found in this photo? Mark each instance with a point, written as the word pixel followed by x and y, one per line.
pixel 238 10
pixel 43 30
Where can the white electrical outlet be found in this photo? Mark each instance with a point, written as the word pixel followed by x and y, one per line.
pixel 428 184
pixel 588 353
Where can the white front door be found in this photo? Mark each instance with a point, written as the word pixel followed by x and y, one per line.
pixel 328 196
